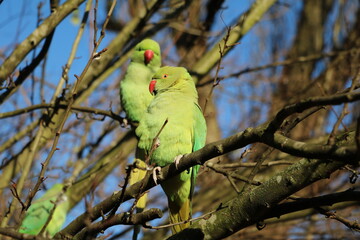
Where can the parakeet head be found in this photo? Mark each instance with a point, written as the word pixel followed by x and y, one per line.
pixel 169 77
pixel 147 52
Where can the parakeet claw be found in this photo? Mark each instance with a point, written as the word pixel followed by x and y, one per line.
pixel 156 170
pixel 177 160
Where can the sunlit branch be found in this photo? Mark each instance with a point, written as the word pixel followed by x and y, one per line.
pixel 24 73
pixel 345 154
pixel 36 37
pixel 66 68
pixel 245 22
pixel 302 59
pixel 306 203
pixel 66 114
pixel 309 103
pixel 62 106
pixel 252 164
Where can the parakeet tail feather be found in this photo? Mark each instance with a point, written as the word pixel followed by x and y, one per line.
pixel 179 215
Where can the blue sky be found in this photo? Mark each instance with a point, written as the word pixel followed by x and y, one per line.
pixel 14 29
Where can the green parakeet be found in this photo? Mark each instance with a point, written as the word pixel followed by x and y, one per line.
pixel 176 100
pixel 134 94
pixel 135 98
pixel 39 211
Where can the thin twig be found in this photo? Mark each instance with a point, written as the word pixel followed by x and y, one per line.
pixel 64 76
pixel 252 164
pixel 52 211
pixel 332 215
pixel 155 143
pixel 121 199
pixel 66 115
pixel 95 23
pixel 257 166
pixel 218 169
pixel 16 194
pixel 217 79
pixel 344 112
pixel 26 170
pixel 230 179
pixel 301 59
pixel 62 106
pixel 24 73
pixel 122 218
pixel 204 216
pixel 357 136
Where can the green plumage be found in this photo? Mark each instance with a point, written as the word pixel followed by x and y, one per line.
pixel 38 213
pixel 134 93
pixel 135 98
pixel 176 99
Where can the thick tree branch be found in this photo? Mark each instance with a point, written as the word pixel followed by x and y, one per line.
pixel 340 156
pixel 245 23
pixel 253 206
pixel 270 197
pixel 302 59
pixel 309 103
pixel 306 203
pixel 35 38
pixel 24 73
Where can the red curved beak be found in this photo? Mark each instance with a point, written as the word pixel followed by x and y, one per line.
pixel 148 55
pixel 152 86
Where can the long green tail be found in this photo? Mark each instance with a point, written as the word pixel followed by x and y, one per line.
pixel 179 215
pixel 136 175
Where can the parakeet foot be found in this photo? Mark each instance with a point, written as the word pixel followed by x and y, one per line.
pixel 156 170
pixel 177 160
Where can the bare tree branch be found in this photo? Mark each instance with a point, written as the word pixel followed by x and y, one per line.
pixel 340 156
pixel 35 38
pixel 63 106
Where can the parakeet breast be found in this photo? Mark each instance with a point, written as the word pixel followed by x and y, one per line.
pixel 135 96
pixel 176 136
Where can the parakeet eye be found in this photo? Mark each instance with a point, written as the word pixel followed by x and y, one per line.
pixel 165 76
